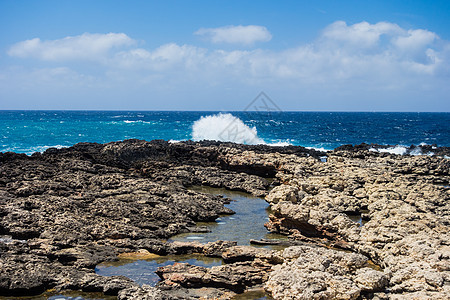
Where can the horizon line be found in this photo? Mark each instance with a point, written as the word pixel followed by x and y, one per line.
pixel 219 111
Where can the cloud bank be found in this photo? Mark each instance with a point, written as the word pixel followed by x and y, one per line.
pixel 245 35
pixel 347 61
pixel 85 46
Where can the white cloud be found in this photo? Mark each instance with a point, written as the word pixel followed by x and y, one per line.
pixel 341 52
pixel 356 60
pixel 415 46
pixel 161 59
pixel 415 39
pixel 86 46
pixel 245 35
pixel 359 35
pixel 377 53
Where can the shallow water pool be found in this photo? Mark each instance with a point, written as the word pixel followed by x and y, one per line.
pixel 247 223
pixel 143 271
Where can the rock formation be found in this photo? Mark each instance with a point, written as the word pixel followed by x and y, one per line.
pixel 65 211
pixel 406 202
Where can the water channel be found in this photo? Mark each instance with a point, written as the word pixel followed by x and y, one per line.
pixel 247 223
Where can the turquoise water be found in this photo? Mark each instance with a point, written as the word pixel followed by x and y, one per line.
pixel 30 131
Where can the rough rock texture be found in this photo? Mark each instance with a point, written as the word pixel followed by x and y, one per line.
pixel 244 267
pixel 235 277
pixel 248 253
pixel 144 292
pixel 315 273
pixel 67 210
pixel 404 198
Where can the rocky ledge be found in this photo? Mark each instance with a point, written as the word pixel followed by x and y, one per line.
pixel 65 211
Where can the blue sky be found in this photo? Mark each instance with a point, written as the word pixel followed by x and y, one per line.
pixel 218 55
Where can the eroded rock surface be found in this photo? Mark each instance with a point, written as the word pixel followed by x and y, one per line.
pixel 67 210
pixel 244 267
pixel 310 272
pixel 404 198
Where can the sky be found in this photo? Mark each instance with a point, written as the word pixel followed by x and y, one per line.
pixel 219 55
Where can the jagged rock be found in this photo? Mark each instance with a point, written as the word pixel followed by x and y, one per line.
pixel 247 253
pixel 217 248
pixel 407 214
pixel 72 208
pixel 319 273
pixel 143 292
pixel 66 210
pixel 283 193
pixel 235 277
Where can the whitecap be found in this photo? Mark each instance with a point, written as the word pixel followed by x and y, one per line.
pixel 225 128
pixel 280 144
pixel 175 141
pixel 138 121
pixel 322 149
pixel 399 150
pixel 32 149
pixel 402 150
pixel 416 151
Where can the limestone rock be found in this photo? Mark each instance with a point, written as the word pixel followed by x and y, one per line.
pixel 319 273
pixel 283 193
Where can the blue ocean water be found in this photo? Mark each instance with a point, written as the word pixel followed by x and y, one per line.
pixel 31 131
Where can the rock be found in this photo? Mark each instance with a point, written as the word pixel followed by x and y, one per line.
pixel 406 212
pixel 66 210
pixel 235 277
pixel 370 280
pixel 283 193
pixel 315 272
pixel 216 249
pixel 183 274
pixel 143 292
pixel 72 208
pixel 248 253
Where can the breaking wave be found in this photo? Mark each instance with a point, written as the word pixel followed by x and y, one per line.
pixel 225 128
pixel 402 150
pixel 399 150
pixel 32 149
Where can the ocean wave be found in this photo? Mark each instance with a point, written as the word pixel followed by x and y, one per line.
pixel 225 128
pixel 175 141
pixel 279 144
pixel 402 150
pixel 399 150
pixel 137 121
pixel 321 149
pixel 32 149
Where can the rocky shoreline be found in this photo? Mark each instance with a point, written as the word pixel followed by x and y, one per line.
pixel 65 211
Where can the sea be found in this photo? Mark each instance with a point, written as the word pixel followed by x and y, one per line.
pixel 35 131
